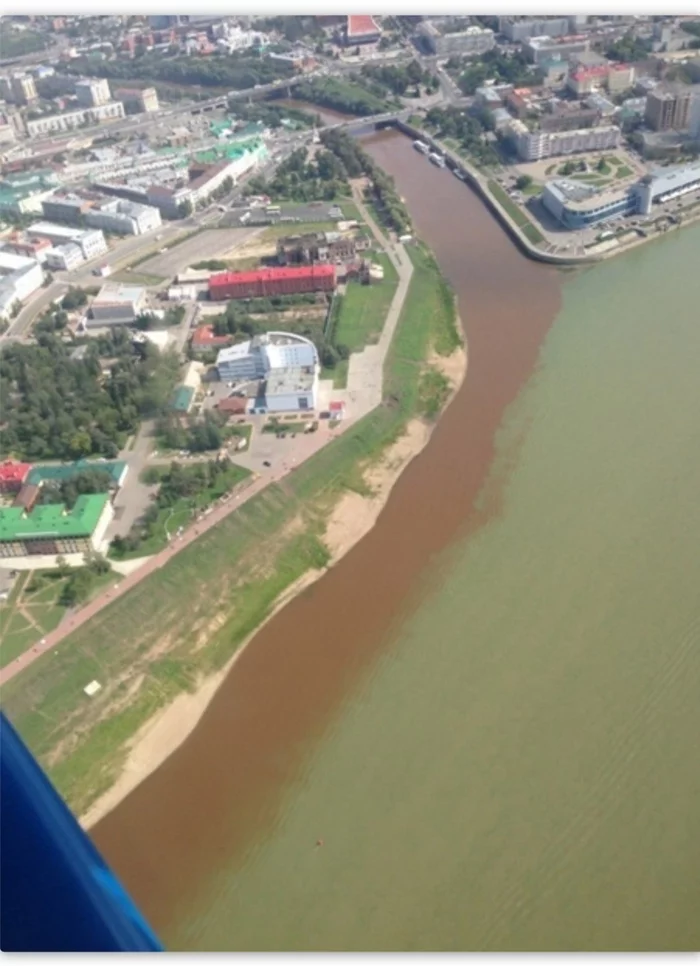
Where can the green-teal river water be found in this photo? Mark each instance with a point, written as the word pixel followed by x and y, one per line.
pixel 522 768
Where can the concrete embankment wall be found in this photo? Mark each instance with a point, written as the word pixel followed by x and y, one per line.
pixel 475 181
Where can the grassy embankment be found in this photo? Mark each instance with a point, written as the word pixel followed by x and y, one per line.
pixel 358 316
pixel 34 608
pixel 516 213
pixel 187 619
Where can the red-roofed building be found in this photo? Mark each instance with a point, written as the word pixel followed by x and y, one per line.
pixel 361 30
pixel 204 339
pixel 233 406
pixel 13 475
pixel 272 281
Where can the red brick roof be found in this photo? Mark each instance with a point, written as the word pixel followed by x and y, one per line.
pixel 232 404
pixel 11 472
pixel 271 274
pixel 204 335
pixel 359 26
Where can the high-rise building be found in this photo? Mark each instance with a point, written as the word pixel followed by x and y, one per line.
pixel 18 88
pixel 695 117
pixel 93 93
pixel 668 109
pixel 143 101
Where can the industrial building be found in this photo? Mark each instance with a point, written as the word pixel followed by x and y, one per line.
pixel 66 207
pixel 93 92
pixel 117 304
pixel 536 145
pixel 272 281
pixel 64 258
pixel 668 109
pixel 143 101
pixel 58 123
pixel 320 246
pixel 52 530
pixel 288 364
pixel 438 39
pixel 123 217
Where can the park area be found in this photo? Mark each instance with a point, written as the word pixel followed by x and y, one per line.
pixel 38 602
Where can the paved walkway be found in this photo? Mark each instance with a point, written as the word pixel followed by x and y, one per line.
pixel 364 393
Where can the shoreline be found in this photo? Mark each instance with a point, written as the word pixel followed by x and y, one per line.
pixel 351 519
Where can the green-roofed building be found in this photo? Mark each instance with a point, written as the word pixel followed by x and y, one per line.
pixel 182 400
pixel 60 472
pixel 53 530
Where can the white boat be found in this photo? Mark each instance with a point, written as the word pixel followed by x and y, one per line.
pixel 421 146
pixel 458 174
pixel 437 159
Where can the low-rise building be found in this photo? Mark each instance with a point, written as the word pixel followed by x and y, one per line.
pixel 272 281
pixel 577 205
pixel 19 243
pixel 361 30
pixel 58 123
pixel 62 472
pixel 286 366
pixel 204 340
pixel 519 29
pixel 312 247
pixel 64 258
pixel 123 217
pixel 116 304
pixel 90 241
pixel 23 193
pixel 544 48
pixel 66 207
pixel 52 530
pixel 535 145
pixel 439 38
pixel 19 278
pixel 13 475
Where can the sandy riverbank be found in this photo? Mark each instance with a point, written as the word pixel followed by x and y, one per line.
pixel 352 518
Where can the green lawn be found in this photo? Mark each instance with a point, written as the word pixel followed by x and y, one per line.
pixel 624 172
pixel 137 278
pixel 273 232
pixel 364 307
pixel 533 189
pixel 516 213
pixel 232 574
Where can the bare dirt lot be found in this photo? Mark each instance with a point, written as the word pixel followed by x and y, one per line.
pixel 213 243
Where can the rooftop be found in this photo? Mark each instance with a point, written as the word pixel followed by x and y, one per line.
pixel 54 520
pixel 270 274
pixel 182 399
pixel 584 197
pixel 358 26
pixel 66 471
pixel 12 472
pixel 115 292
pixel 283 381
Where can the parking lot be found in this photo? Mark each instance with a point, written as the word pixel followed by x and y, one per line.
pixel 213 243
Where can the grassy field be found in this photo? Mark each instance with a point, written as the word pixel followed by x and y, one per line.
pixel 360 315
pixel 33 609
pixel 516 213
pixel 624 172
pixel 189 617
pixel 137 278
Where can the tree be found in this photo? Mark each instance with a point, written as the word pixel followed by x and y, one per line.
pixel 523 182
pixel 62 568
pixel 185 209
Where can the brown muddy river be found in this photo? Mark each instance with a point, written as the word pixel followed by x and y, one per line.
pixel 219 793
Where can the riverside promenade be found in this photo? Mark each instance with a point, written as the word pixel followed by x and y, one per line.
pixel 364 393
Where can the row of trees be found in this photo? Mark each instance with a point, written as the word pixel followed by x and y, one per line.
pixel 197 436
pixel 68 491
pixel 399 80
pixel 55 407
pixel 493 65
pixel 348 96
pixel 297 179
pixel 176 484
pixel 381 190
pixel 468 129
pixel 239 71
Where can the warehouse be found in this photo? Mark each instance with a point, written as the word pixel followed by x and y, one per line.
pixel 117 304
pixel 272 281
pixel 19 277
pixel 37 539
